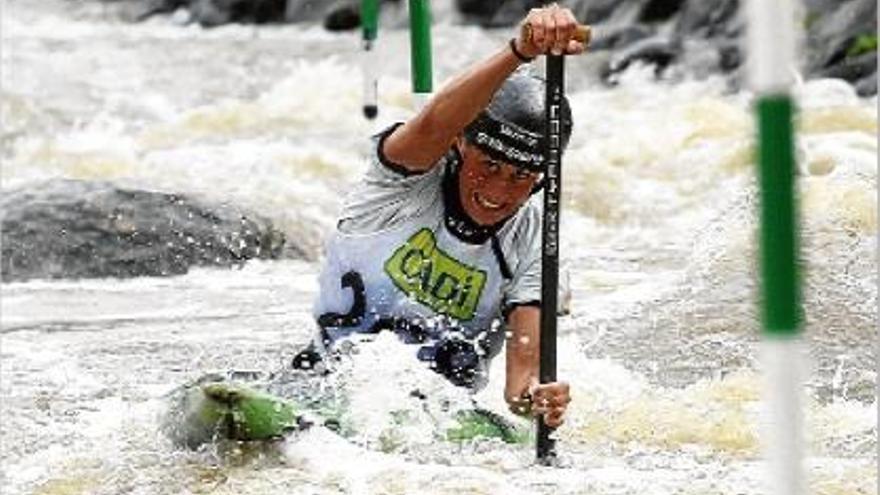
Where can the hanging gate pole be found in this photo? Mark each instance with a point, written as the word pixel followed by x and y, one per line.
pixel 370 32
pixel 420 51
pixel 771 53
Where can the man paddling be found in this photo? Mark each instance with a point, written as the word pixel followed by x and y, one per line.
pixel 441 240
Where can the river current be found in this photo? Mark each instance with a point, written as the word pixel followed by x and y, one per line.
pixel 661 346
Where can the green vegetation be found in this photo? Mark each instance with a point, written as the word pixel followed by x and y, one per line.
pixel 864 43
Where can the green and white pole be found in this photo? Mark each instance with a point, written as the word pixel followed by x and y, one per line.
pixel 420 51
pixel 771 40
pixel 370 31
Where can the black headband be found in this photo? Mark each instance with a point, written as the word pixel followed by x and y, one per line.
pixel 507 142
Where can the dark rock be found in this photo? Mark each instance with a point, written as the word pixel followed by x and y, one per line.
pixel 822 5
pixel 594 11
pixel 660 10
pixel 210 13
pixel 344 18
pixel 852 68
pixel 710 19
pixel 263 11
pixel 831 33
pixel 730 56
pixel 623 36
pixel 345 15
pixel 511 12
pixel 336 15
pixel 660 52
pixel 867 86
pixel 138 11
pixel 316 10
pixel 476 10
pixel 495 13
pixel 75 229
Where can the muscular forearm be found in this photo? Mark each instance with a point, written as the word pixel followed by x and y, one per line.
pixel 448 112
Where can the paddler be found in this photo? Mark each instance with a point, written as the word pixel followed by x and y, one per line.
pixel 440 241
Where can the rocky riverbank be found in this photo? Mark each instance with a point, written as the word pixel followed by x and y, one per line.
pixel 699 36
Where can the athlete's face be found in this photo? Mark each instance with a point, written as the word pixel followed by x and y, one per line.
pixel 491 190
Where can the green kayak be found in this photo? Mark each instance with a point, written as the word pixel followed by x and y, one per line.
pixel 214 408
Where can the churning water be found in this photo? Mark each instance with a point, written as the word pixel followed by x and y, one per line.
pixel 660 347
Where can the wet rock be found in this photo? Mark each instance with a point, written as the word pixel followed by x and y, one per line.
pixel 867 86
pixel 660 10
pixel 344 18
pixel 833 36
pixel 495 13
pixel 320 10
pixel 730 56
pixel 837 30
pixel 478 11
pixel 659 51
pixel 208 13
pixel 715 25
pixel 75 229
pixel 211 13
pixel 339 15
pixel 710 19
pixel 260 11
pixel 852 68
pixel 138 11
pixel 595 11
pixel 623 36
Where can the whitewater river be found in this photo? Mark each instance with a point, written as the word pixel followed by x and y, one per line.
pixel 661 346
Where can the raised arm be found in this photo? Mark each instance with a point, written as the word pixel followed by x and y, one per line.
pixel 420 142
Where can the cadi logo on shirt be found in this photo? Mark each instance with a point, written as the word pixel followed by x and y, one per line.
pixel 423 271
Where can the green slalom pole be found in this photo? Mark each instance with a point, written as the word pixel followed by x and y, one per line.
pixel 545 445
pixel 370 31
pixel 420 51
pixel 771 58
pixel 779 271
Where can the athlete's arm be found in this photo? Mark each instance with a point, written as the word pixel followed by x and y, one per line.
pixel 421 141
pixel 521 391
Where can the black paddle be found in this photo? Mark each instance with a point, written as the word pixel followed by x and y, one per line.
pixel 546 446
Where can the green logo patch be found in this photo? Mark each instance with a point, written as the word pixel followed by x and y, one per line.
pixel 423 271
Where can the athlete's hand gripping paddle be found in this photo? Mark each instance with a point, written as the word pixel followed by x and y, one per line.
pixel 583 33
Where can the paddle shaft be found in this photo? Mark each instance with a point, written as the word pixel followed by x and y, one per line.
pixel 546 448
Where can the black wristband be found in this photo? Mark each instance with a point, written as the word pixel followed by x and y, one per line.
pixel 517 54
